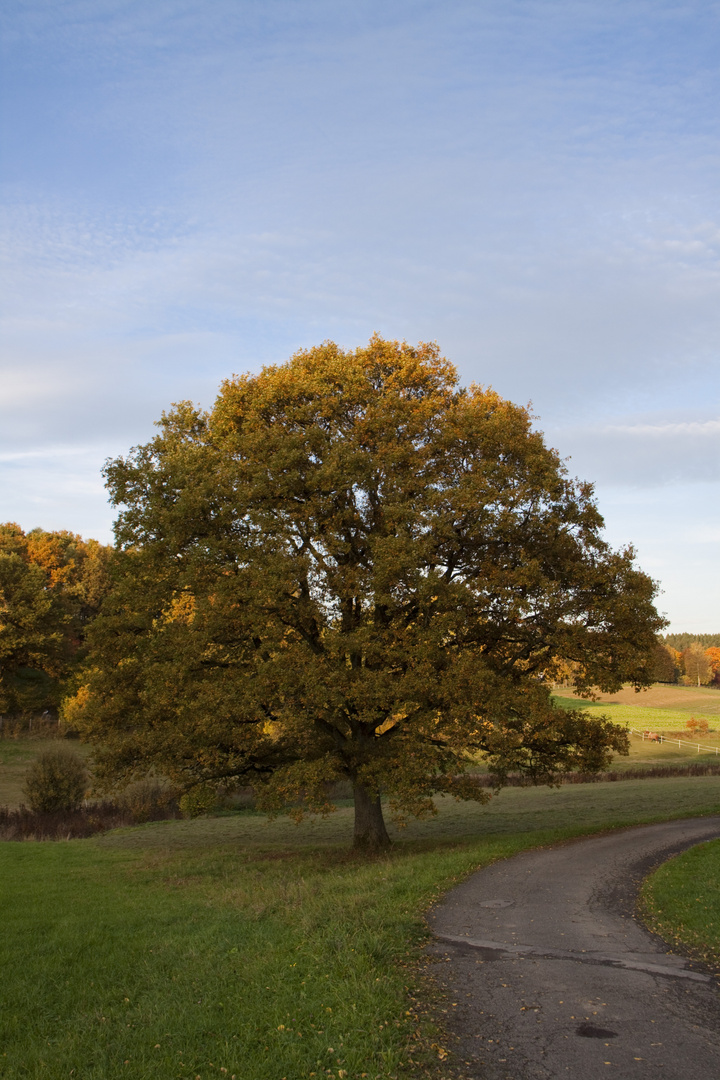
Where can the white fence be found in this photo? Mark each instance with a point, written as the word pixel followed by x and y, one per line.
pixel 657 736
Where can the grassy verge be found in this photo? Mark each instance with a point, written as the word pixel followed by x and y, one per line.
pixel 681 902
pixel 241 947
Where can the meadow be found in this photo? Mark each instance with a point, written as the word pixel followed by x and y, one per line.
pixel 663 703
pixel 239 946
pixel 662 709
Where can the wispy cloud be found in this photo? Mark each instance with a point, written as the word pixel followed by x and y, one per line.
pixel 642 454
pixel 194 189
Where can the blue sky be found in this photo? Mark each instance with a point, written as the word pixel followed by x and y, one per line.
pixel 190 189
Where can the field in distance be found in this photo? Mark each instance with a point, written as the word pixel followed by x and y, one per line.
pixel 661 709
pixel 700 701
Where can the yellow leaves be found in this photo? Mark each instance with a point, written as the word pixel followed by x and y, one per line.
pixel 181 610
pixel 74 709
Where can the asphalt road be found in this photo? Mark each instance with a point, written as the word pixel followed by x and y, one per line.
pixel 549 974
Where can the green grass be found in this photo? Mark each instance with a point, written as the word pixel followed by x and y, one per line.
pixel 644 718
pixel 184 948
pixel 639 716
pixel 681 902
pixel 681 700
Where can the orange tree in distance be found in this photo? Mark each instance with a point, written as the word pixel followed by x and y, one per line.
pixel 352 567
pixel 51 587
pixel 713 655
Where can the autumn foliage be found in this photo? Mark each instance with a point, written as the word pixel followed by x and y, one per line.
pixel 51 587
pixel 694 665
pixel 352 567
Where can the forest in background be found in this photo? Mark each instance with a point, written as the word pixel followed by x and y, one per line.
pixel 692 662
pixel 682 641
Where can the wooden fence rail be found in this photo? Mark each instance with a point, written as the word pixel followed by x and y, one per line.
pixel 657 736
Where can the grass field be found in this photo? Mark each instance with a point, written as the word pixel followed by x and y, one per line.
pixel 238 946
pixel 682 902
pixel 700 701
pixel 660 704
pixel 660 709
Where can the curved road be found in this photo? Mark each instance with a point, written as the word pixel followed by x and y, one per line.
pixel 550 975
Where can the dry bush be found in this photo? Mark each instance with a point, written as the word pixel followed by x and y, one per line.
pixel 27 824
pixel 148 800
pixel 56 781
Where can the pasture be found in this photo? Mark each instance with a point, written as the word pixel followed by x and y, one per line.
pixel 700 700
pixel 660 709
pixel 238 946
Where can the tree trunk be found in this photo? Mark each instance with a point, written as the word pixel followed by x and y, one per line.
pixel 370 833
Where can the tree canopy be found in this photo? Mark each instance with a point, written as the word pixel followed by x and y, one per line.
pixel 51 586
pixel 352 567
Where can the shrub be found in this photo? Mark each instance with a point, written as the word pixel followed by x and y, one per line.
pixel 199 800
pixel 148 800
pixel 55 781
pixel 698 727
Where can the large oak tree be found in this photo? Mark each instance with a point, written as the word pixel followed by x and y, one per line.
pixel 352 567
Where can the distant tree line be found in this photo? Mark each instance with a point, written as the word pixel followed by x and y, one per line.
pixel 683 641
pixel 696 664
